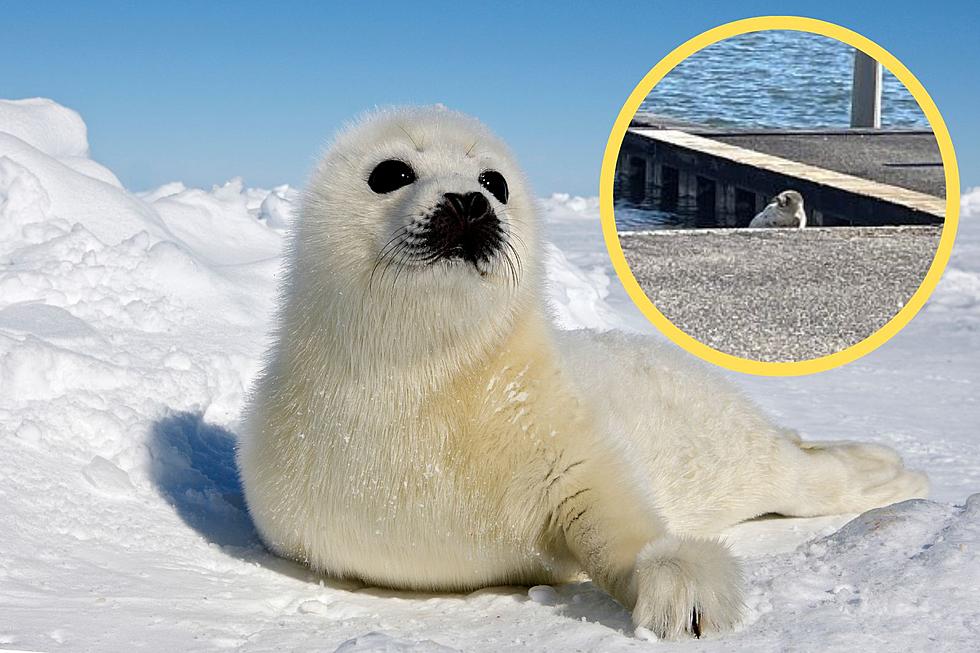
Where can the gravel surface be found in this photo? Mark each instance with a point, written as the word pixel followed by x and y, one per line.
pixel 781 294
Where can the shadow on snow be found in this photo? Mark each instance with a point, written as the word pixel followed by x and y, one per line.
pixel 193 467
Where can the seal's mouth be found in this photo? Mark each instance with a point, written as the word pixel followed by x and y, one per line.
pixel 460 229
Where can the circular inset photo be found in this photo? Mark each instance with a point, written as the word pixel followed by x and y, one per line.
pixel 774 195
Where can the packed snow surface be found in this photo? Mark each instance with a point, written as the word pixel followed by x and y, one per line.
pixel 131 325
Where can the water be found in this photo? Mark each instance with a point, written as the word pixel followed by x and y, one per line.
pixel 774 79
pixel 633 218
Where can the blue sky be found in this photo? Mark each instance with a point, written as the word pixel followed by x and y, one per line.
pixel 203 92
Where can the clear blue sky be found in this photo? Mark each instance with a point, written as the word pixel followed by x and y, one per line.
pixel 202 92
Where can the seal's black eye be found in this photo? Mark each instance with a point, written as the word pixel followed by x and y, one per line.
pixel 390 175
pixel 494 182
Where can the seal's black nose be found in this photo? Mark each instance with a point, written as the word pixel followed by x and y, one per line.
pixel 469 208
pixel 464 226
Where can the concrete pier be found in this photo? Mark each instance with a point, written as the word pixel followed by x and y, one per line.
pixel 780 294
pixel 852 177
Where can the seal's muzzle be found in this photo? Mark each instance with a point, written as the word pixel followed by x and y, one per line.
pixel 464 227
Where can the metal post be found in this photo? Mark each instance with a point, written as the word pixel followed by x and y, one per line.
pixel 866 92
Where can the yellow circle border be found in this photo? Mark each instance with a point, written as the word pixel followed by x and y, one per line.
pixel 746 365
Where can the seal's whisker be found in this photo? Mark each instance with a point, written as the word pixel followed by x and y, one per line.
pixel 401 265
pixel 418 147
pixel 399 233
pixel 400 236
pixel 514 264
pixel 511 235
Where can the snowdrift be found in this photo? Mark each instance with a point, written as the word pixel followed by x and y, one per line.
pixel 131 325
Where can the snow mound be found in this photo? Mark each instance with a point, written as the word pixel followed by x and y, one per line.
pixel 132 324
pixel 73 196
pixel 970 203
pixel 222 225
pixel 893 578
pixel 579 278
pixel 278 207
pixel 565 207
pixel 959 290
pixel 577 296
pixel 44 124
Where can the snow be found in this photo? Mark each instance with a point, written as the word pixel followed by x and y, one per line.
pixel 131 325
pixel 46 125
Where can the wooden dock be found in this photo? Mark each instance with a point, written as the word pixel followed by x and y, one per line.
pixel 722 178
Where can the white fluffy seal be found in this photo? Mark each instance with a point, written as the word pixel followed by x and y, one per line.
pixel 785 210
pixel 420 425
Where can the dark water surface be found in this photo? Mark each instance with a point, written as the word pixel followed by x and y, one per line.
pixel 774 79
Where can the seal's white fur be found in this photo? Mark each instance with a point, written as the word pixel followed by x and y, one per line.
pixel 424 427
pixel 785 210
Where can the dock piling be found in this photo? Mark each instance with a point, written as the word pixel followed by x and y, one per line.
pixel 866 92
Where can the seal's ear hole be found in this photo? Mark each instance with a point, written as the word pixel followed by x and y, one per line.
pixel 494 182
pixel 390 175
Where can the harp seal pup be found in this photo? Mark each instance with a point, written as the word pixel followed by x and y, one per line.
pixel 785 210
pixel 420 425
